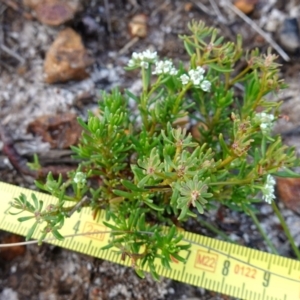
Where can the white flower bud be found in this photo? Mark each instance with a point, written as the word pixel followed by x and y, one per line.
pixel 80 178
pixel 184 79
pixel 268 190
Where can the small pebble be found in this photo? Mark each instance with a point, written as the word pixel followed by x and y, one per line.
pixel 8 294
pixel 246 6
pixel 288 35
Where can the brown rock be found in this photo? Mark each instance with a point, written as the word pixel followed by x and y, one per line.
pixel 188 6
pixel 12 252
pixel 54 12
pixel 67 58
pixel 138 26
pixel 246 6
pixel 61 131
pixel 181 122
pixel 288 190
pixel 195 130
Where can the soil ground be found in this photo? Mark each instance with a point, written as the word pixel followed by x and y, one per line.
pixel 49 272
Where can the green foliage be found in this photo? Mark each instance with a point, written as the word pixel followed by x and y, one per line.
pixel 146 171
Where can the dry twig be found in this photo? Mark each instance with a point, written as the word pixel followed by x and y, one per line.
pixel 266 36
pixel 20 164
pixel 78 205
pixel 219 15
pixel 204 8
pixel 13 54
pixel 107 11
pixel 129 45
pixel 16 7
pixel 164 5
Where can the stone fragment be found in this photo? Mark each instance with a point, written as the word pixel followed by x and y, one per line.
pixel 54 12
pixel 273 20
pixel 181 122
pixel 67 58
pixel 10 253
pixel 188 6
pixel 138 26
pixel 289 36
pixel 288 190
pixel 246 6
pixel 196 130
pixel 90 26
pixel 60 131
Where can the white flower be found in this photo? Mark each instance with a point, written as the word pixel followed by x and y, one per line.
pixel 200 70
pixel 265 117
pixel 266 121
pixel 159 67
pixel 268 189
pixel 173 71
pixel 149 55
pixel 136 56
pixel 144 64
pixel 205 85
pixel 165 67
pixel 196 76
pixel 80 178
pixel 142 59
pixel 263 126
pixel 131 63
pixel 184 79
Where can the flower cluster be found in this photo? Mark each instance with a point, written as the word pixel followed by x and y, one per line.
pixel 80 178
pixel 192 192
pixel 196 76
pixel 164 67
pixel 142 59
pixel 268 189
pixel 266 121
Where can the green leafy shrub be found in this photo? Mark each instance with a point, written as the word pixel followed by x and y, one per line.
pixel 146 171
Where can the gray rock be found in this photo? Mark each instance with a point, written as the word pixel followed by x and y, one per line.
pixel 289 36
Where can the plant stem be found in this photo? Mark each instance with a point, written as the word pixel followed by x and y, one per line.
pixel 216 118
pixel 198 53
pixel 215 230
pixel 226 161
pixel 233 182
pixel 78 205
pixel 210 61
pixel 261 91
pixel 261 231
pixel 286 229
pixel 154 87
pixel 249 179
pixel 144 80
pixel 238 77
pixel 180 96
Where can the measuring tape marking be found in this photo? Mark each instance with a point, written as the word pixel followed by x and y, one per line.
pixel 12 227
pixel 227 254
pixel 207 262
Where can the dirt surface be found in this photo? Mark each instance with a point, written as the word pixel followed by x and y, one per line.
pixel 48 272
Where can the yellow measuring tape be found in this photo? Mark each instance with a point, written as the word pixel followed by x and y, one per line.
pixel 211 264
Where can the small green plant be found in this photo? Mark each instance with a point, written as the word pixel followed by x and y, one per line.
pixel 148 172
